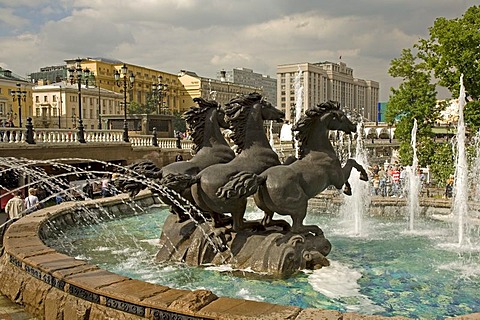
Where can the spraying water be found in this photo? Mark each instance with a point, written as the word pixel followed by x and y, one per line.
pixel 298 103
pixel 413 181
pixel 355 206
pixel 460 191
pixel 270 136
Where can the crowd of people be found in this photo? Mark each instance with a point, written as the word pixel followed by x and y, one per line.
pixel 18 207
pixel 391 180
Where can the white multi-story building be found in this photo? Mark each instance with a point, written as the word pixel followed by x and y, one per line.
pixel 325 81
pixel 247 77
pixel 56 105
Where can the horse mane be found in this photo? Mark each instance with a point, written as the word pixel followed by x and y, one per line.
pixel 305 124
pixel 195 119
pixel 236 114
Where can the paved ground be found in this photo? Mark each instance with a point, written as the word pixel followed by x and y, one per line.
pixel 12 311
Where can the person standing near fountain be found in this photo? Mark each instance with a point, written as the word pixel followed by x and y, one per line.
pixel 449 187
pixel 15 207
pixel 31 202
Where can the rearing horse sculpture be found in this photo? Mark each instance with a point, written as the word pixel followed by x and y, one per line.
pixel 245 115
pixel 210 146
pixel 286 189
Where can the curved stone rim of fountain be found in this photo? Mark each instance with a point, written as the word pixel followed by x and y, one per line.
pixel 53 285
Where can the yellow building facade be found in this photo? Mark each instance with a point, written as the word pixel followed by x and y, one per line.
pixel 11 109
pixel 104 75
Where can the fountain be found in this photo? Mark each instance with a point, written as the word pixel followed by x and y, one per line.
pixel 460 193
pixel 354 207
pixel 413 181
pixel 388 273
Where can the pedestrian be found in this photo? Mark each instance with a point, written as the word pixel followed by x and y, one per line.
pixel 395 181
pixel 382 182
pixel 179 138
pixel 376 184
pixel 88 189
pixel 15 207
pixel 58 198
pixel 179 157
pixel 449 187
pixel 31 202
pixel 105 185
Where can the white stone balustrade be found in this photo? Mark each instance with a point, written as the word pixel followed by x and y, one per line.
pixel 66 136
pixel 12 135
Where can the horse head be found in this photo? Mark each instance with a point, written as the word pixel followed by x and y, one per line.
pixel 198 117
pixel 334 117
pixel 270 112
pixel 249 110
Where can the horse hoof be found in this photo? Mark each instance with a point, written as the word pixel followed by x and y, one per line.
pixel 364 177
pixel 347 191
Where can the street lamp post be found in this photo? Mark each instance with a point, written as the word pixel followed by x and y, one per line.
pixel 123 73
pixel 99 110
pixel 159 90
pixel 76 74
pixel 58 100
pixel 19 95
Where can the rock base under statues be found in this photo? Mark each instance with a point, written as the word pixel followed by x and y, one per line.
pixel 272 252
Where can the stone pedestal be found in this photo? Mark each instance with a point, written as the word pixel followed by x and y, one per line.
pixel 273 252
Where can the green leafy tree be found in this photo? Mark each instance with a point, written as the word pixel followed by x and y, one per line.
pixel 137 108
pixel 453 49
pixel 179 123
pixel 442 163
pixel 414 99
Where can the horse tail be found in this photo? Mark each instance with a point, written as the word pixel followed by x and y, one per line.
pixel 243 184
pixel 178 181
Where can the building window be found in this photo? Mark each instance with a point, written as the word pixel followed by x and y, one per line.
pixel 37 99
pixel 45 98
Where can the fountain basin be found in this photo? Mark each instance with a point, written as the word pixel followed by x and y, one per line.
pixel 49 283
pixel 53 285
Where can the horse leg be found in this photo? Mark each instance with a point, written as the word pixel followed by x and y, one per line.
pixel 239 224
pixel 220 220
pixel 346 170
pixel 347 189
pixel 268 221
pixel 299 227
pixel 351 163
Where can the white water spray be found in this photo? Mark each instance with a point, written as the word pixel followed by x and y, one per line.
pixel 413 181
pixel 298 103
pixel 354 207
pixel 270 136
pixel 460 190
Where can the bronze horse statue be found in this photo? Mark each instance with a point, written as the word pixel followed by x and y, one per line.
pixel 286 189
pixel 210 147
pixel 246 115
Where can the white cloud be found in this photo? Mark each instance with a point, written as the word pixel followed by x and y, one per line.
pixel 208 35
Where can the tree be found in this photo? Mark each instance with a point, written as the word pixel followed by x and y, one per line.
pixel 414 99
pixel 179 123
pixel 453 49
pixel 137 108
pixel 442 163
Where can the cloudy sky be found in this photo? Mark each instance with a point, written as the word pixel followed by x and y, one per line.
pixel 209 35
